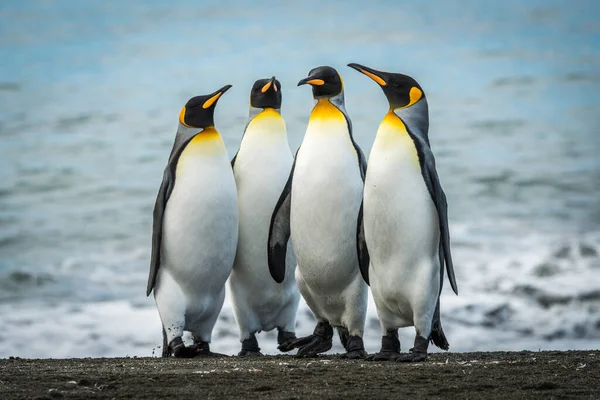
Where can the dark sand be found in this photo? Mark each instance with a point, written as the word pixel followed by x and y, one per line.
pixel 523 375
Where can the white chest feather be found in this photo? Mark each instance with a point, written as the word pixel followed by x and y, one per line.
pixel 261 170
pixel 200 225
pixel 401 226
pixel 326 196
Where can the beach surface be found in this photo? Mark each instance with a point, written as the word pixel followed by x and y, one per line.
pixel 523 375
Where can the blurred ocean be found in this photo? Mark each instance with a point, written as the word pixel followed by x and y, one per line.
pixel 90 92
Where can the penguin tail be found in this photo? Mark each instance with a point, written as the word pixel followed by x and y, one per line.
pixel 437 333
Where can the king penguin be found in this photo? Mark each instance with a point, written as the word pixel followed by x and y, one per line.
pixel 318 208
pixel 195 230
pixel 405 218
pixel 261 168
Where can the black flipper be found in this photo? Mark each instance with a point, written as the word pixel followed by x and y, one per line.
pixel 439 198
pixel 279 230
pixel 361 244
pixel 166 188
pixel 361 247
pixel 233 159
pixel 430 176
pixel 362 160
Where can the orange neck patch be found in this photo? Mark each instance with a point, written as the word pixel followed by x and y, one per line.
pixel 394 121
pixel 325 110
pixel 392 134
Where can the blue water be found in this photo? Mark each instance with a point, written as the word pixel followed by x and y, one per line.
pixel 89 96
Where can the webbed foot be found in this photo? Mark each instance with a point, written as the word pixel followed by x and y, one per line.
pixel 390 347
pixel 180 350
pixel 355 348
pixel 418 353
pixel 319 342
pixel 203 349
pixel 285 339
pixel 250 347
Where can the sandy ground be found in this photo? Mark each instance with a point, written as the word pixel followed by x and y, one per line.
pixel 522 375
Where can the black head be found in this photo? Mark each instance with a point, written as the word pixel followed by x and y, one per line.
pixel 266 93
pixel 199 111
pixel 325 82
pixel 402 91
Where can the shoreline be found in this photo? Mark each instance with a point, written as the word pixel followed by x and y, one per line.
pixel 525 374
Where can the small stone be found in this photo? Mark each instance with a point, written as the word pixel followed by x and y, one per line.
pixel 71 384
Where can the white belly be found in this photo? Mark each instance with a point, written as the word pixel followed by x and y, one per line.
pixel 401 225
pixel 262 168
pixel 326 195
pixel 200 227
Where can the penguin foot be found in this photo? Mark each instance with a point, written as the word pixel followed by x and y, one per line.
pixel 250 347
pixel 316 346
pixel 285 339
pixel 180 350
pixel 390 347
pixel 418 353
pixel 246 353
pixel 211 354
pixel 412 357
pixel 344 335
pixel 294 344
pixel 203 349
pixel 385 356
pixel 355 348
pixel 319 342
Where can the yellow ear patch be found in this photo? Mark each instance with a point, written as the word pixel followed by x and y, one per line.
pixel 415 95
pixel 182 117
pixel 267 86
pixel 316 82
pixel 211 101
pixel 374 77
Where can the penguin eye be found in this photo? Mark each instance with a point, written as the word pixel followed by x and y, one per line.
pixel 401 87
